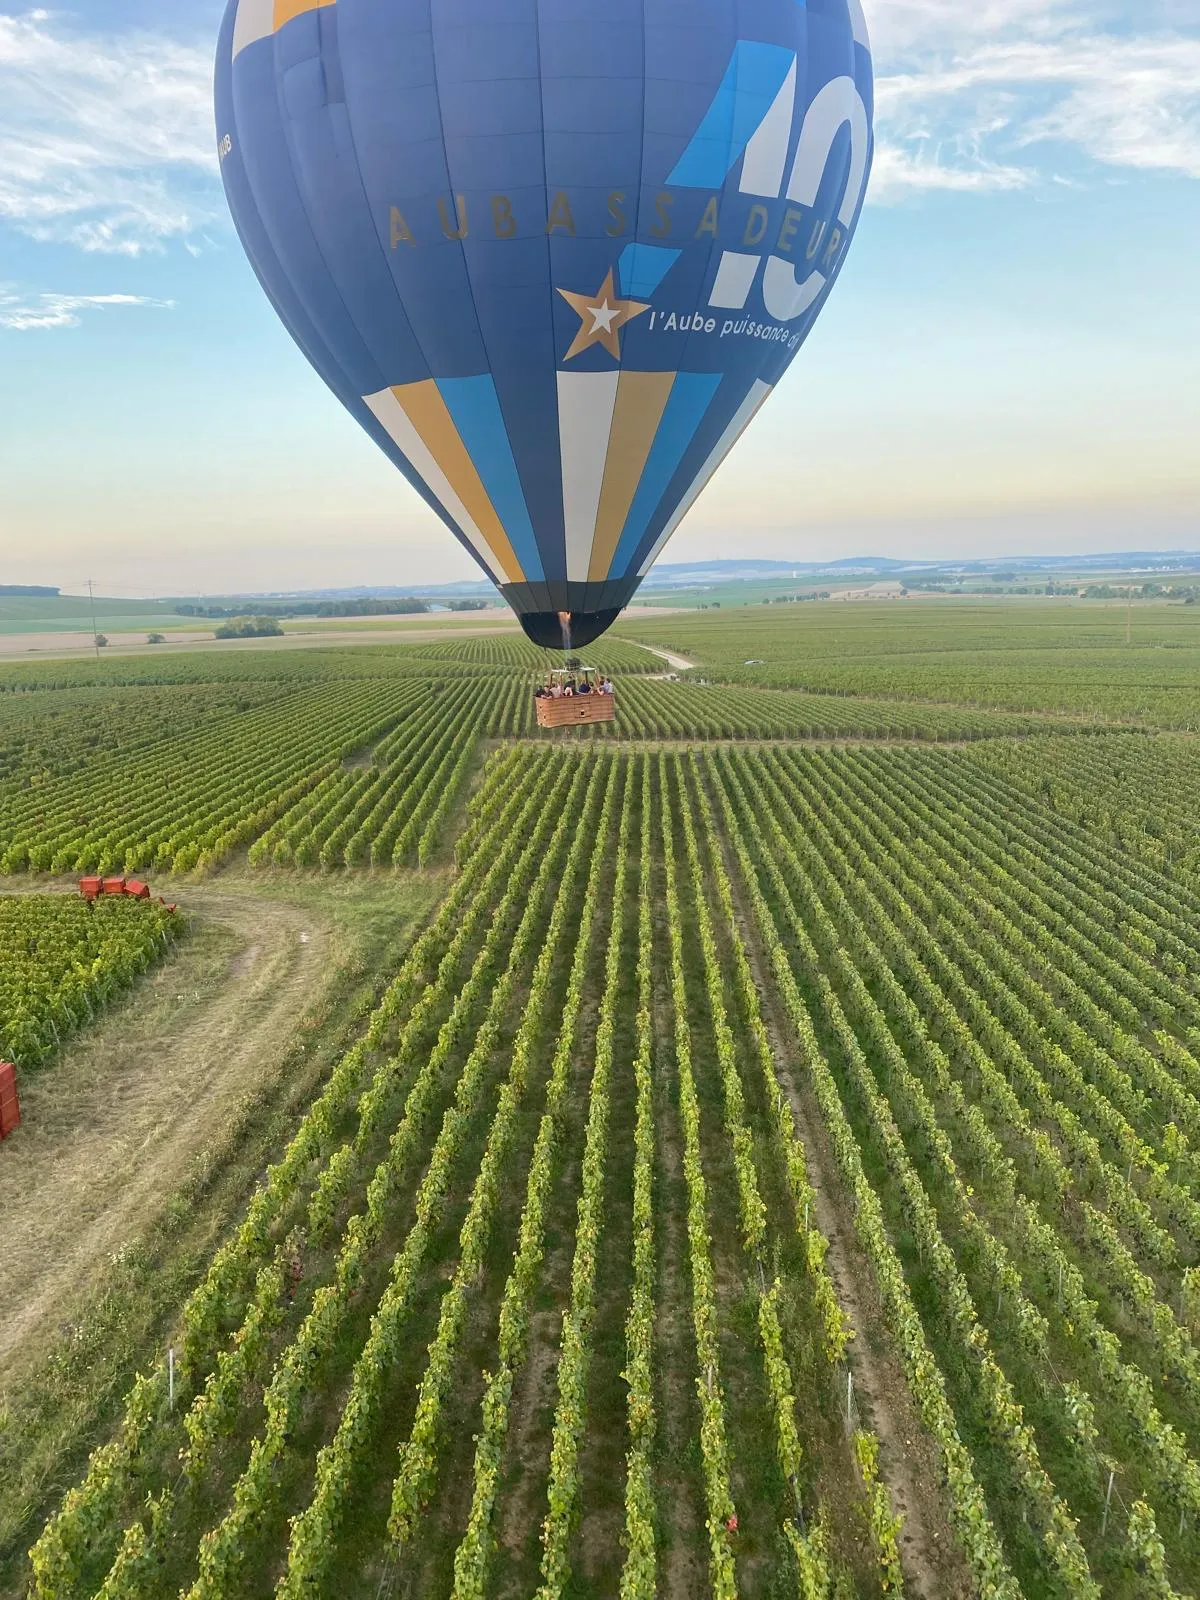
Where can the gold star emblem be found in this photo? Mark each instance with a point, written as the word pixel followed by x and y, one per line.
pixel 601 316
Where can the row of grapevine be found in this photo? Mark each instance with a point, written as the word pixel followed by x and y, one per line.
pixel 691 710
pixel 640 1572
pixel 570 1418
pixel 965 1500
pixel 312 1547
pixel 513 650
pixel 992 1389
pixel 718 1495
pixel 224 1548
pixel 1051 661
pixel 454 1267
pixel 1093 1103
pixel 753 1211
pixel 471 1557
pixel 62 961
pixel 919 978
pixel 1138 792
pixel 48 734
pixel 1169 1350
pixel 193 799
pixel 335 775
pixel 395 808
pixel 79 1535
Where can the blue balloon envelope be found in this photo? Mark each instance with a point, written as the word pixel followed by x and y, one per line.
pixel 552 254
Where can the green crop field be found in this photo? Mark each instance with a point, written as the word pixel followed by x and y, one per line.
pixel 751 1150
pixel 1050 656
pixel 73 614
pixel 61 960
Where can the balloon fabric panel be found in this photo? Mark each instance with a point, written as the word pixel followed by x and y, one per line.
pixel 552 254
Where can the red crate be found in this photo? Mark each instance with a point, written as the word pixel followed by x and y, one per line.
pixel 114 886
pixel 89 888
pixel 10 1105
pixel 138 889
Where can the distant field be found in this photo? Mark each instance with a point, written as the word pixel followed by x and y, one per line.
pixel 1052 656
pixel 755 1153
pixel 108 623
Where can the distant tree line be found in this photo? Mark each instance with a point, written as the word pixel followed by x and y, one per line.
pixel 311 608
pixel 28 591
pixel 1187 592
pixel 249 628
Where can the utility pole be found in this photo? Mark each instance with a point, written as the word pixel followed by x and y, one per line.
pixel 1129 619
pixel 95 634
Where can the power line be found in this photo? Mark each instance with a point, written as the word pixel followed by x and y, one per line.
pixel 95 631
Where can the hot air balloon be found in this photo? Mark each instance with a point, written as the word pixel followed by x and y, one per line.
pixel 553 255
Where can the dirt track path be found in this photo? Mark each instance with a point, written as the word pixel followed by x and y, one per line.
pixel 111 1130
pixel 676 662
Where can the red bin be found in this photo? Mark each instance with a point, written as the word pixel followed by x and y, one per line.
pixel 89 888
pixel 138 889
pixel 10 1106
pixel 114 886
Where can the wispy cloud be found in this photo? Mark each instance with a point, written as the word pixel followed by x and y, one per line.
pixel 105 142
pixel 1004 94
pixel 24 313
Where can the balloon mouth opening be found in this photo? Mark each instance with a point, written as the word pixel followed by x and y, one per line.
pixel 567 630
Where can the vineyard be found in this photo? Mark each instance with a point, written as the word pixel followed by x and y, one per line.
pixel 1054 658
pixel 61 961
pixel 536 1299
pixel 772 1168
pixel 364 770
pixel 1144 795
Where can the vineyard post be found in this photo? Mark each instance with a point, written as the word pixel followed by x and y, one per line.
pixel 1107 1502
pixel 849 1402
pixel 171 1378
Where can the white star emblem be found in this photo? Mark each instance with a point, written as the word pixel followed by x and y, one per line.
pixel 603 316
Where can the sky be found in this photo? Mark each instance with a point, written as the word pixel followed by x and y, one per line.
pixel 1010 363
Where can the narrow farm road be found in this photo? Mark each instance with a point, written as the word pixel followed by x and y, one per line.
pixel 677 663
pixel 112 1129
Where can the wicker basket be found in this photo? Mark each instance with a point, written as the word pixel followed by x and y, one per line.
pixel 572 709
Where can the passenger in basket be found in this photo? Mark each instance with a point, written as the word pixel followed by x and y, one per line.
pixel 556 692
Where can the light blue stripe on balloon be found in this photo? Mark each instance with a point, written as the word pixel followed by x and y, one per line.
pixel 691 396
pixel 475 411
pixel 753 78
pixel 644 266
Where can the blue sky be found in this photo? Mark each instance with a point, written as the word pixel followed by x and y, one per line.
pixel 1011 362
